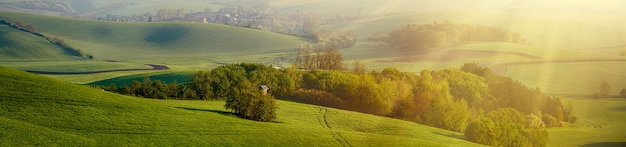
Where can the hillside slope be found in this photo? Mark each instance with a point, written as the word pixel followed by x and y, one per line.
pixel 113 40
pixel 18 45
pixel 36 110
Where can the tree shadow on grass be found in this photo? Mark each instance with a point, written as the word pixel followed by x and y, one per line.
pixel 206 110
pixel 225 113
pixel 462 137
pixel 605 144
pixel 623 108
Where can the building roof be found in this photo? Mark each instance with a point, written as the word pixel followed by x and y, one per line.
pixel 264 87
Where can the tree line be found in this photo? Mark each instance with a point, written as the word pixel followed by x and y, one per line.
pixel 488 108
pixel 427 37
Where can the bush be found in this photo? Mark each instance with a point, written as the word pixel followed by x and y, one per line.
pixel 550 121
pixel 623 92
pixel 572 119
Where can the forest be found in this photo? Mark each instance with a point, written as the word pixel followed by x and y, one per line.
pixel 427 37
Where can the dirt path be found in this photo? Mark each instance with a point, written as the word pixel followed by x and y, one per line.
pixel 154 67
pixel 503 67
pixel 323 121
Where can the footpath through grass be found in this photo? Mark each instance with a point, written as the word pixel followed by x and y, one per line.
pixel 37 110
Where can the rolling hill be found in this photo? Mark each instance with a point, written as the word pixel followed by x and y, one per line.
pixel 113 40
pixel 37 110
pixel 17 45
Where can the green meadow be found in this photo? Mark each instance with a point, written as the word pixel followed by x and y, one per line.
pixel 566 55
pixel 118 41
pixel 600 123
pixel 17 45
pixel 54 112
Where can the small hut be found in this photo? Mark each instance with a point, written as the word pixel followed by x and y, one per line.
pixel 264 89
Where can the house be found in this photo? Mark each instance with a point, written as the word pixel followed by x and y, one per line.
pixel 264 89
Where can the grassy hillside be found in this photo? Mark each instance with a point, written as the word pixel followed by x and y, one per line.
pixel 36 110
pixel 582 77
pixel 601 122
pixel 111 40
pixel 167 77
pixel 18 45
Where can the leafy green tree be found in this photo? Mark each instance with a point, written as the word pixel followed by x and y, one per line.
pixel 248 102
pixel 200 82
pixel 482 131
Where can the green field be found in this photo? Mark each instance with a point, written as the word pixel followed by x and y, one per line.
pixel 571 78
pixel 42 111
pixel 73 66
pixel 167 77
pixel 18 45
pixel 600 123
pixel 116 41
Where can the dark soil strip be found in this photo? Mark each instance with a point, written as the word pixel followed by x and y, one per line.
pixel 502 68
pixel 154 67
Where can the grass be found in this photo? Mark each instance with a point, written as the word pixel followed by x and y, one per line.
pixel 601 122
pixel 167 77
pixel 571 78
pixel 18 45
pixel 89 78
pixel 110 40
pixel 73 66
pixel 37 110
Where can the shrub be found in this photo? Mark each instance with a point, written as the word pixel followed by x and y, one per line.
pixel 572 119
pixel 550 121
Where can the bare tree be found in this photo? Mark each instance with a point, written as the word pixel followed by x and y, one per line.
pixel 605 88
pixel 323 59
pixel 358 67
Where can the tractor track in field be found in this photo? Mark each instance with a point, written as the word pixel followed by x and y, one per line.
pixel 323 121
pixel 154 67
pixel 502 68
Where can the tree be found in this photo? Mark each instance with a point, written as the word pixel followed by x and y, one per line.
pixel 310 25
pixel 605 88
pixel 623 92
pixel 200 82
pixel 324 59
pixel 305 59
pixel 248 102
pixel 358 67
pixel 329 59
pixel 481 131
